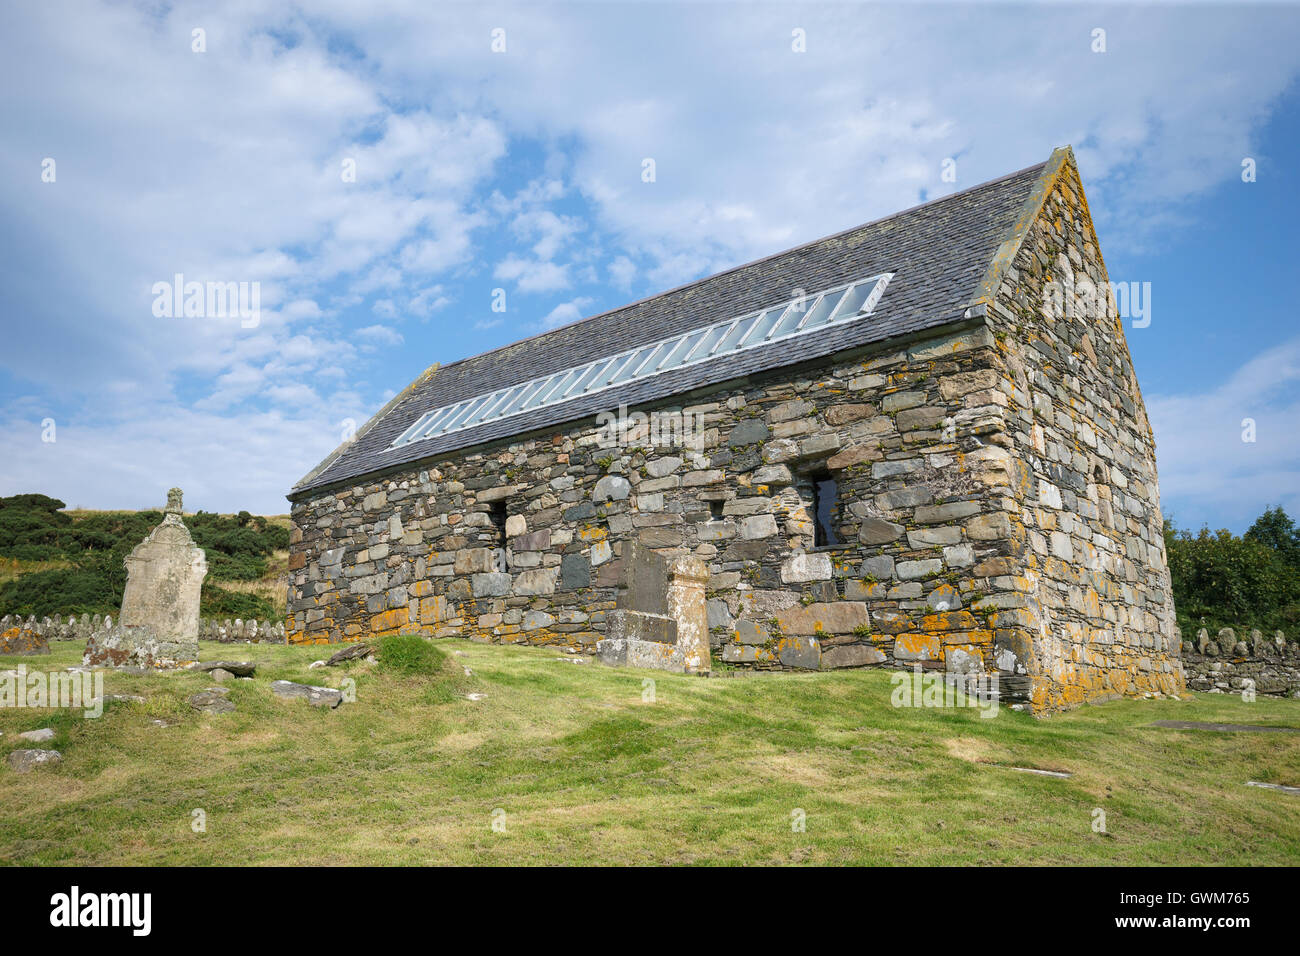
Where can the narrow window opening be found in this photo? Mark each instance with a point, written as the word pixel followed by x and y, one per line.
pixel 715 510
pixel 497 519
pixel 826 496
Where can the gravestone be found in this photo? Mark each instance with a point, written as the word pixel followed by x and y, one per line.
pixel 164 575
pixel 660 620
pixel 159 623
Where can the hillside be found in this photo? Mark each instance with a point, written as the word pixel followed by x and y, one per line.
pixel 59 561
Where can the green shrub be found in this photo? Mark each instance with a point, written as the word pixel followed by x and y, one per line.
pixel 35 528
pixel 216 601
pixel 409 654
pixel 1221 580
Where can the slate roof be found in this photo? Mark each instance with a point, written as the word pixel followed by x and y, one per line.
pixel 939 253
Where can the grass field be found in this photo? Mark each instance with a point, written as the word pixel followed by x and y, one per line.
pixel 586 771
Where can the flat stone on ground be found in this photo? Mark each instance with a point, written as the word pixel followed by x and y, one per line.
pixel 1294 791
pixel 212 701
pixel 24 760
pixel 348 654
pixel 316 696
pixel 238 668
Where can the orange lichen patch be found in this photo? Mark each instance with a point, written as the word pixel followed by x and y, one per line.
pixel 891 622
pixel 432 609
pixel 390 620
pixel 949 621
pixel 917 646
pixel 420 589
pixel 593 533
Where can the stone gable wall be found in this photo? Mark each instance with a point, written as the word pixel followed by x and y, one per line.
pixel 1095 615
pixel 913 436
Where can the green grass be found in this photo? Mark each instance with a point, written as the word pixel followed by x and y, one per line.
pixel 410 655
pixel 708 772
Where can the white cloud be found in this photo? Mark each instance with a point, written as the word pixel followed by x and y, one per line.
pixel 381 335
pixel 622 271
pixel 1207 472
pixel 565 312
pixel 532 275
pixel 223 463
pixel 756 148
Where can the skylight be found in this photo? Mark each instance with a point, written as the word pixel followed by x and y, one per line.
pixel 794 317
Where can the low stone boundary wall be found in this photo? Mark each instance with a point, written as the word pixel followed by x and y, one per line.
pixel 83 627
pixel 1222 664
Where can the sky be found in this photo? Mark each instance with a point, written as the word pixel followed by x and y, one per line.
pixel 383 174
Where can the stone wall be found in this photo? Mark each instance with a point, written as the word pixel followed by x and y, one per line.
pixel 1091 608
pixel 913 435
pixel 81 628
pixel 1224 664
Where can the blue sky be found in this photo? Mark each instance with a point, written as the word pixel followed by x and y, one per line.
pixel 521 170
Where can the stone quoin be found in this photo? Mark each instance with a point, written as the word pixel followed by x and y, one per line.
pixel 902 444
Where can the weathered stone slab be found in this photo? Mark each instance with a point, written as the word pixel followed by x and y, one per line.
pixel 124 646
pixel 19 641
pixel 212 701
pixel 851 655
pixel 644 586
pixel 836 617
pixel 238 668
pixel 659 598
pixel 164 575
pixel 24 761
pixel 623 624
pixel 878 531
pixel 804 653
pixel 349 654
pixel 316 696
pixel 801 568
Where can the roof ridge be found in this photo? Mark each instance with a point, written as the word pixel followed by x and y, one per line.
pixel 1014 237
pixel 746 265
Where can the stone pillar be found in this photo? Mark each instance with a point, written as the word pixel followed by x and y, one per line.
pixel 164 576
pixel 687 579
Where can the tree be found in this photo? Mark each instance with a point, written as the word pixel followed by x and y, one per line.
pixel 1275 529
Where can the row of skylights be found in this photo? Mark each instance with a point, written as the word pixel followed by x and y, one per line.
pixel 799 316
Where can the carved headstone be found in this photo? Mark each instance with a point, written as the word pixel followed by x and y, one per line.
pixel 164 576
pixel 661 620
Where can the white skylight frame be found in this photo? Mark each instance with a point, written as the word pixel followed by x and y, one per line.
pixel 835 306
